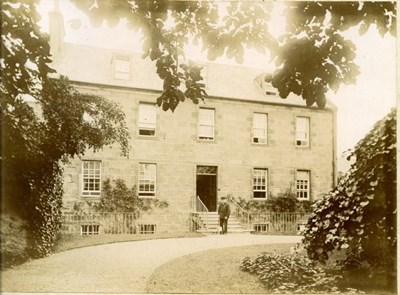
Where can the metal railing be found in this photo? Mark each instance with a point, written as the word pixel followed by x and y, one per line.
pixel 200 207
pixel 241 215
pixel 280 222
pixel 196 222
pixel 107 223
pixel 94 223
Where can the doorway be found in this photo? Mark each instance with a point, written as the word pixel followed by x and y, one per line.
pixel 206 186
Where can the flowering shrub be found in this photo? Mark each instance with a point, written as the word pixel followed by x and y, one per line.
pixel 291 274
pixel 359 215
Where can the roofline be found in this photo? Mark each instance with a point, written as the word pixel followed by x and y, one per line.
pixel 121 87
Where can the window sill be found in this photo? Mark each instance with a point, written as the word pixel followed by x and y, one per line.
pixel 259 144
pixel 206 140
pixel 147 137
pixel 94 198
pixel 146 197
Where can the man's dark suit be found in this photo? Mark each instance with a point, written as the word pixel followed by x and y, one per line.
pixel 224 211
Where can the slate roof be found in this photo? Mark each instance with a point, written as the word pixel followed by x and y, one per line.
pixel 95 65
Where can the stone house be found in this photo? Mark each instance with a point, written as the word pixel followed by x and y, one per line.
pixel 243 140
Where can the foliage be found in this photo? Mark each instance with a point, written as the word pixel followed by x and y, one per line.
pixel 40 135
pixel 119 198
pixel 291 274
pixel 285 202
pixel 312 56
pixel 359 215
pixel 13 241
pixel 25 51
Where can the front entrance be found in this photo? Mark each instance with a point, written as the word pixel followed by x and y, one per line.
pixel 206 186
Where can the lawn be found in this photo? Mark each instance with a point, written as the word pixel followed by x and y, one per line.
pixel 217 271
pixel 213 271
pixel 68 242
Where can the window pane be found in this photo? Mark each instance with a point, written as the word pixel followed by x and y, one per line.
pixel 122 68
pixel 259 128
pixel 91 178
pixel 303 184
pixel 147 119
pixel 302 131
pixel 259 183
pixel 147 179
pixel 206 123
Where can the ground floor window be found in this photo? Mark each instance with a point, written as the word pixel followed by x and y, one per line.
pixel 259 183
pixel 147 229
pixel 147 180
pixel 261 227
pixel 303 184
pixel 90 229
pixel 91 178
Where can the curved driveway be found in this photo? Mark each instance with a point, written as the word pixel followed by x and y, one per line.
pixel 122 267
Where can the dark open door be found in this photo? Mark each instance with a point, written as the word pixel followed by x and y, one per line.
pixel 206 186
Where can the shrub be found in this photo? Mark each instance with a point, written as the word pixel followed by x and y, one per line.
pixel 118 197
pixel 358 217
pixel 292 274
pixel 285 202
pixel 14 241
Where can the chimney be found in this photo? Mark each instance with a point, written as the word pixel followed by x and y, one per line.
pixel 56 30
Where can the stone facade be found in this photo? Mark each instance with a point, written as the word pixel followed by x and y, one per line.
pixel 176 149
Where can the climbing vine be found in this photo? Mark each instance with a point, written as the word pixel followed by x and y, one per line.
pixel 358 217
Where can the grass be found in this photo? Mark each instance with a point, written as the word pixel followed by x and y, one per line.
pixel 217 271
pixel 213 271
pixel 69 242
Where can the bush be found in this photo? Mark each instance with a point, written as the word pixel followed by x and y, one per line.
pixel 14 241
pixel 292 274
pixel 359 216
pixel 285 202
pixel 118 197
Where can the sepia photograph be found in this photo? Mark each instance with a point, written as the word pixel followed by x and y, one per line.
pixel 198 147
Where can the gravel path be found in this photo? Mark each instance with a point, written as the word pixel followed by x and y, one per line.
pixel 123 267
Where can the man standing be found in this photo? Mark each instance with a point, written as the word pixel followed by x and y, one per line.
pixel 224 211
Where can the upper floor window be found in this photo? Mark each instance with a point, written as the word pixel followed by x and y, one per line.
pixel 91 178
pixel 147 180
pixel 206 124
pixel 122 67
pixel 264 83
pixel 259 183
pixel 260 128
pixel 302 131
pixel 303 184
pixel 147 119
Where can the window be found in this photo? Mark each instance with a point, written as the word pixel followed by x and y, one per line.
pixel 147 119
pixel 89 229
pixel 260 183
pixel 122 67
pixel 302 131
pixel 91 178
pixel 261 227
pixel 303 184
pixel 145 229
pixel 206 124
pixel 259 128
pixel 147 180
pixel 264 83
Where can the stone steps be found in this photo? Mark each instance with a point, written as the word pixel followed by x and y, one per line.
pixel 211 222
